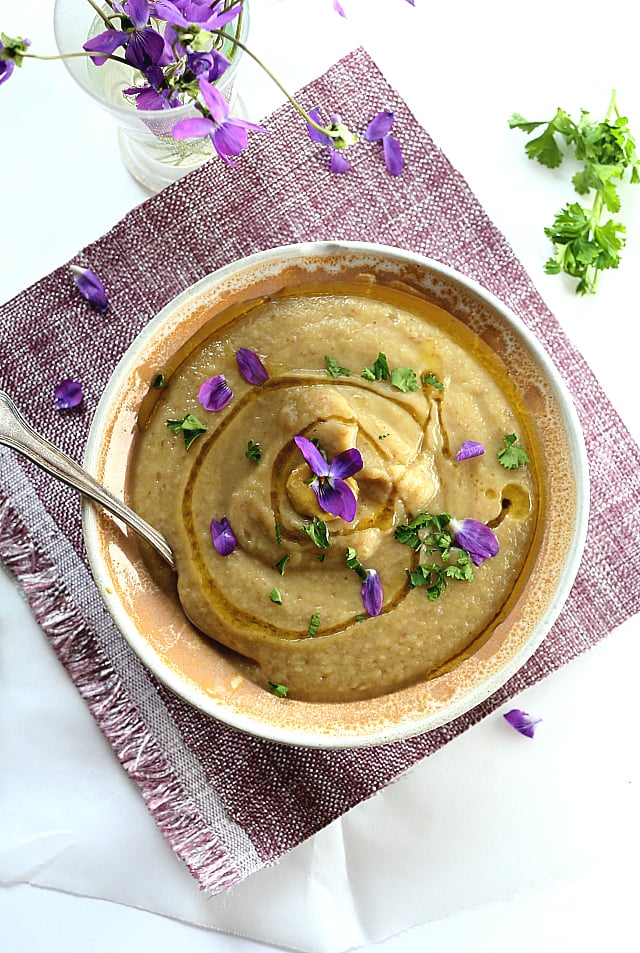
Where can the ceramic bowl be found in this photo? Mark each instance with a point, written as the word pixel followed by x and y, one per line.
pixel 190 664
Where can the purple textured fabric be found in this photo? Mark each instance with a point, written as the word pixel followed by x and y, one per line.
pixel 228 803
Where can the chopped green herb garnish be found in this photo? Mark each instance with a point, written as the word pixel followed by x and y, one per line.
pixel 276 597
pixel 404 378
pixel 383 436
pixel 426 531
pixel 512 456
pixel 253 451
pixel 278 534
pixel 282 563
pixel 360 617
pixel 427 534
pixel 379 370
pixel 314 623
pixel 334 369
pixel 432 381
pixel 317 532
pixel 280 690
pixel 354 563
pixel 189 426
pixel 159 381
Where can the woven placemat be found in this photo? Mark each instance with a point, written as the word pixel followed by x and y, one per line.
pixel 228 803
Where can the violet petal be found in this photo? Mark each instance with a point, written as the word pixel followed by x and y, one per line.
pixel 338 164
pixel 90 287
pixel 312 456
pixel 470 448
pixel 223 536
pixel 372 594
pixel 251 367
pixel 477 538
pixel 215 393
pixel 314 134
pixel 68 393
pixel 345 464
pixel 393 158
pixel 379 126
pixel 522 722
pixel 336 497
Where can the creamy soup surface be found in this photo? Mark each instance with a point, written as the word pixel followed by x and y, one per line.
pixel 291 609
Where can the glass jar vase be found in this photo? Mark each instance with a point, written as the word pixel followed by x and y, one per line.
pixel 148 150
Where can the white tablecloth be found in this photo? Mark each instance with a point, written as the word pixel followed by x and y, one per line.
pixel 497 842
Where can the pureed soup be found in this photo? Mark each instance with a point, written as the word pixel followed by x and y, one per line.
pixel 348 483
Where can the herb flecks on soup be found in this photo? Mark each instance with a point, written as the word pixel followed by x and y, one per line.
pixel 356 516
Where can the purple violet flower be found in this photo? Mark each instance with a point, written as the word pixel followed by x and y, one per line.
pixel 379 130
pixel 143 46
pixel 522 722
pixel 334 495
pixel 228 135
pixel 215 393
pixel 337 6
pixel 251 367
pixel 477 538
pixel 209 66
pixel 205 16
pixel 11 55
pixel 338 163
pixel 372 594
pixel 67 394
pixel 90 287
pixel 223 536
pixel 470 448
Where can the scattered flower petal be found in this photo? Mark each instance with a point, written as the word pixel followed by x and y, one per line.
pixel 522 722
pixel 470 448
pixel 215 393
pixel 223 536
pixel 338 163
pixel 477 538
pixel 379 126
pixel 90 287
pixel 337 6
pixel 392 152
pixel 334 495
pixel 251 367
pixel 68 393
pixel 372 593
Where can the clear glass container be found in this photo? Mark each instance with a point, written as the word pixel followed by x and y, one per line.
pixel 148 150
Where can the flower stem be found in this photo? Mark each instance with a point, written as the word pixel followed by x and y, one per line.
pixel 68 56
pixel 100 13
pixel 296 105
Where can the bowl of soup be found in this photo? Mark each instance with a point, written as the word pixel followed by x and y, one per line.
pixel 373 482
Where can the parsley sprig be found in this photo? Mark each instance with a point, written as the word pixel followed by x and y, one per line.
pixel 584 241
pixel 427 534
pixel 512 455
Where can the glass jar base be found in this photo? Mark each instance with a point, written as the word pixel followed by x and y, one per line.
pixel 154 174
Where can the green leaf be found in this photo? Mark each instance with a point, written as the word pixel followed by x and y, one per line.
pixel 276 596
pixel 512 456
pixel 432 381
pixel 189 426
pixel 354 563
pixel 314 623
pixel 253 451
pixel 280 690
pixel 317 532
pixel 404 378
pixel 334 369
pixel 379 370
pixel 280 565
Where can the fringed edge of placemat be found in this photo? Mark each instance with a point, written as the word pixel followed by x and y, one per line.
pixel 94 677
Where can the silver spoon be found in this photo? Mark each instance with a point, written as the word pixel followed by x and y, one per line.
pixel 16 433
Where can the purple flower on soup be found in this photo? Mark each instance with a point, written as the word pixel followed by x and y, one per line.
pixel 143 46
pixel 477 538
pixel 67 394
pixel 228 135
pixel 251 367
pixel 470 448
pixel 522 722
pixel 215 393
pixel 337 6
pixel 223 536
pixel 372 593
pixel 334 495
pixel 379 130
pixel 90 287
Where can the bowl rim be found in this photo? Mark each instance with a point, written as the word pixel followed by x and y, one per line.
pixel 389 732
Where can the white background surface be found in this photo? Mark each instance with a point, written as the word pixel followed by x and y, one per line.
pixel 496 843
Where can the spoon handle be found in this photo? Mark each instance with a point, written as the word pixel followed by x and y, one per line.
pixel 16 433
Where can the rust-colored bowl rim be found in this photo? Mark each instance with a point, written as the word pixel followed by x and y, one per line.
pixel 203 675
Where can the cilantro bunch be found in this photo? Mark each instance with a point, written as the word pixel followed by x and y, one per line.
pixel 585 241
